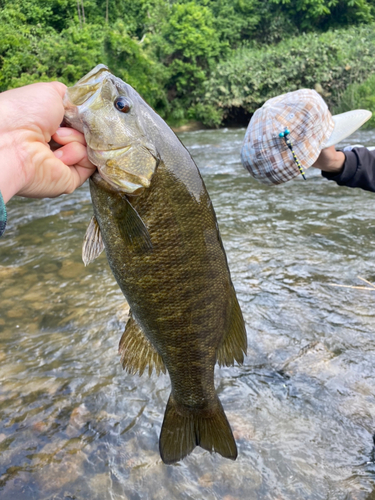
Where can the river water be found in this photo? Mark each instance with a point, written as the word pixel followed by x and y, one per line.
pixel 302 407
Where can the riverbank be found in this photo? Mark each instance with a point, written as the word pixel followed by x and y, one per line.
pixel 189 126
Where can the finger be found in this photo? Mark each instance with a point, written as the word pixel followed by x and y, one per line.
pixel 78 175
pixel 59 87
pixel 65 135
pixel 74 153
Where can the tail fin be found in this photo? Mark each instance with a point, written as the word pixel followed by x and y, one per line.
pixel 180 434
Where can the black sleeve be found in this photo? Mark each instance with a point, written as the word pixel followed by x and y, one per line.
pixel 358 170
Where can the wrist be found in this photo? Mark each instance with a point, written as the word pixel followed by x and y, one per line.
pixel 336 164
pixel 330 160
pixel 11 174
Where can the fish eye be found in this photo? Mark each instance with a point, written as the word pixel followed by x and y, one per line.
pixel 122 104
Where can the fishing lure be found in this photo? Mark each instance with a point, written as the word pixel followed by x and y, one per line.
pixel 288 142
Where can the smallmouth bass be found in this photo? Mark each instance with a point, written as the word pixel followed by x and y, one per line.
pixel 154 218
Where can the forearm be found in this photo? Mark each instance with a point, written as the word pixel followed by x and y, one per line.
pixel 358 170
pixel 330 160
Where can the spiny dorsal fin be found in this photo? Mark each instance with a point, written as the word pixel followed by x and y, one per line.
pixel 234 344
pixel 137 352
pixel 92 244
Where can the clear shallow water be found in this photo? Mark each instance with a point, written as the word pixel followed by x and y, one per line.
pixel 73 425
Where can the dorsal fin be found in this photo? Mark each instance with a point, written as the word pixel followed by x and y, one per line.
pixel 92 244
pixel 137 352
pixel 234 344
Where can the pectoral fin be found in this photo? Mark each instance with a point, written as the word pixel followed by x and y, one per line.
pixel 92 244
pixel 234 344
pixel 137 352
pixel 132 228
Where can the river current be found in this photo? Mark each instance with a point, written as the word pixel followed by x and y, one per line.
pixel 73 425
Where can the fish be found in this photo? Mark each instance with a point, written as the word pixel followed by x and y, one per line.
pixel 155 220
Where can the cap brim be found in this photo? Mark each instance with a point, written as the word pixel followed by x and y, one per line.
pixel 346 124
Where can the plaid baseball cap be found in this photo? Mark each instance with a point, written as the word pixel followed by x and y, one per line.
pixel 310 127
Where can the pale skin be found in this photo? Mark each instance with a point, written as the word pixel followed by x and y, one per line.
pixel 30 118
pixel 330 160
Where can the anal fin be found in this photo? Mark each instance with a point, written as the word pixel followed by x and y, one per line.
pixel 234 345
pixel 93 243
pixel 137 352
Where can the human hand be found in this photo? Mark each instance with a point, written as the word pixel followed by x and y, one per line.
pixel 30 117
pixel 330 160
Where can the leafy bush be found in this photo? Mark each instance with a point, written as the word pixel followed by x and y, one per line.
pixel 31 53
pixel 311 15
pixel 248 77
pixel 359 96
pixel 206 60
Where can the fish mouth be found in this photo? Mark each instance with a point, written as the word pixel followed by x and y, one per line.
pixel 110 168
pixel 81 93
pixel 96 75
pixel 87 86
pixel 123 181
pixel 110 184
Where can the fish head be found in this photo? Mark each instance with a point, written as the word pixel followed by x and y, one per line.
pixel 109 113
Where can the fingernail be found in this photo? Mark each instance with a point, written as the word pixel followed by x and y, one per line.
pixel 64 131
pixel 58 153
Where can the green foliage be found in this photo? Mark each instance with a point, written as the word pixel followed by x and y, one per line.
pixel 359 96
pixel 44 56
pixel 38 13
pixel 30 52
pixel 233 21
pixel 133 65
pixel 189 46
pixel 270 21
pixel 238 20
pixel 251 76
pixel 324 14
pixel 191 59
